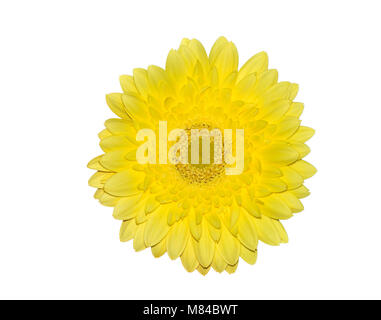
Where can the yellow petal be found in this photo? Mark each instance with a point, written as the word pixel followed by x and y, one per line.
pixel 200 53
pixel 127 207
pixel 127 83
pixel 244 87
pixel 305 169
pixel 286 128
pixel 176 68
pixel 270 171
pixel 95 164
pixel 214 220
pixel 274 207
pixel 124 183
pixel 279 91
pixel 114 101
pixel 273 185
pixel 247 233
pixel 274 111
pixel 256 64
pixel 280 153
pixel 291 178
pixel 215 234
pixel 156 226
pixel 203 270
pixel 159 249
pixel 233 216
pixel 267 232
pixel 231 269
pixel 188 258
pixel 115 160
pixel 226 61
pixel 98 193
pixel 127 230
pixel 301 192
pixel 296 109
pixel 230 80
pixel 139 238
pixel 189 58
pixel 104 134
pixel 229 247
pixel 177 239
pixel 135 107
pixel 108 200
pixel 248 255
pixel 217 47
pixel 156 76
pixel 301 148
pixel 293 91
pixel 249 205
pixel 120 126
pixel 195 229
pixel 302 134
pixel 281 231
pixel 265 80
pixel 113 143
pixel 151 205
pixel 204 248
pixel 292 201
pixel 218 264
pixel 99 179
pixel 141 81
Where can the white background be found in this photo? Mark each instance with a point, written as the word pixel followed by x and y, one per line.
pixel 60 58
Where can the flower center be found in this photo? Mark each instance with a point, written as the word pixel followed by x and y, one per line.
pixel 200 173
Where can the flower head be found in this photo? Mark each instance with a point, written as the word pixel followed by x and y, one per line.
pixel 197 210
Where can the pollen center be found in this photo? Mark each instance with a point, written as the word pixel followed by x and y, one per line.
pixel 201 173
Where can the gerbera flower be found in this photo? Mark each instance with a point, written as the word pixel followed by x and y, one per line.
pixel 196 211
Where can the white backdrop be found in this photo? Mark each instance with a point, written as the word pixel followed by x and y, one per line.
pixel 60 58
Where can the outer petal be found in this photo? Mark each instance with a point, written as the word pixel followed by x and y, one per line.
pixel 274 207
pixel 280 153
pixel 127 83
pixel 226 61
pixel 220 43
pixel 218 264
pixel 95 164
pixel 267 231
pixel 228 246
pixel 305 169
pixel 159 249
pixel 177 239
pixel 99 179
pixel 124 184
pixel 248 255
pixel 247 233
pixel 141 81
pixel 127 230
pixel 139 238
pixel 127 207
pixel 257 63
pixel 302 134
pixel 115 160
pixel 114 101
pixel 200 53
pixel 188 258
pixel 120 126
pixel 156 226
pixel 135 107
pixel 204 248
pixel 176 68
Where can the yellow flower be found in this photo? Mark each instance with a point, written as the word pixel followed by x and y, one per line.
pixel 196 211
